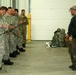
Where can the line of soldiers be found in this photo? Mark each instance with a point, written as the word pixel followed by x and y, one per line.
pixel 13 29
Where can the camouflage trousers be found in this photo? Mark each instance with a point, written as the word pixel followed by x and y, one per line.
pixel 23 31
pixel 9 45
pixel 2 51
pixel 6 46
pixel 18 39
pixel 12 44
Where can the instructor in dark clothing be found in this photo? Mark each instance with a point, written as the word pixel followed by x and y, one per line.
pixel 72 38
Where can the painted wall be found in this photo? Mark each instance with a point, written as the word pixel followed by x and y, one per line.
pixel 48 15
pixel 5 3
pixel 23 4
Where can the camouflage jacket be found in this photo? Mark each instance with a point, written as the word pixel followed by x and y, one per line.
pixel 10 19
pixel 23 18
pixel 3 22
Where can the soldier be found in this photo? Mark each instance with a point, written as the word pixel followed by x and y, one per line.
pixel 3 28
pixel 72 38
pixel 55 42
pixel 15 32
pixel 11 22
pixel 19 37
pixel 23 28
pixel 61 38
pixel 8 43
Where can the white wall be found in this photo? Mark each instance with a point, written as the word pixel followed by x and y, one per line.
pixel 48 15
pixel 5 3
pixel 23 4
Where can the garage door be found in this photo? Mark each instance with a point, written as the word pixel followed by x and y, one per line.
pixel 48 15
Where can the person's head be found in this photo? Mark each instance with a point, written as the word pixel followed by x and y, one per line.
pixel 16 11
pixel 3 10
pixel 73 10
pixel 63 30
pixel 58 30
pixel 13 12
pixel 9 11
pixel 22 12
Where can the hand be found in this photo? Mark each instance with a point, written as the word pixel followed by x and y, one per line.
pixel 20 22
pixel 67 36
pixel 24 20
pixel 3 26
pixel 70 38
pixel 11 27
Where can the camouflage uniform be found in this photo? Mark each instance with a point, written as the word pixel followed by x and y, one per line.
pixel 11 38
pixel 15 32
pixel 2 45
pixel 23 28
pixel 55 41
pixel 59 38
pixel 19 36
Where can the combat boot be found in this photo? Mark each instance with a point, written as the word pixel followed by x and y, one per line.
pixel 16 52
pixel 13 55
pixel 74 68
pixel 71 66
pixel 8 62
pixel 0 68
pixel 23 45
pixel 17 47
pixel 21 50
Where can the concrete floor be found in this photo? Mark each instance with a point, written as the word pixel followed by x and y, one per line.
pixel 39 60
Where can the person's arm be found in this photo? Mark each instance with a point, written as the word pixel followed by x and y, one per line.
pixel 70 28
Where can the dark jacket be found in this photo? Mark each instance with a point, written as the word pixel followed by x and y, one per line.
pixel 72 27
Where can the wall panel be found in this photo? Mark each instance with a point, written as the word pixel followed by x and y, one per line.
pixel 48 15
